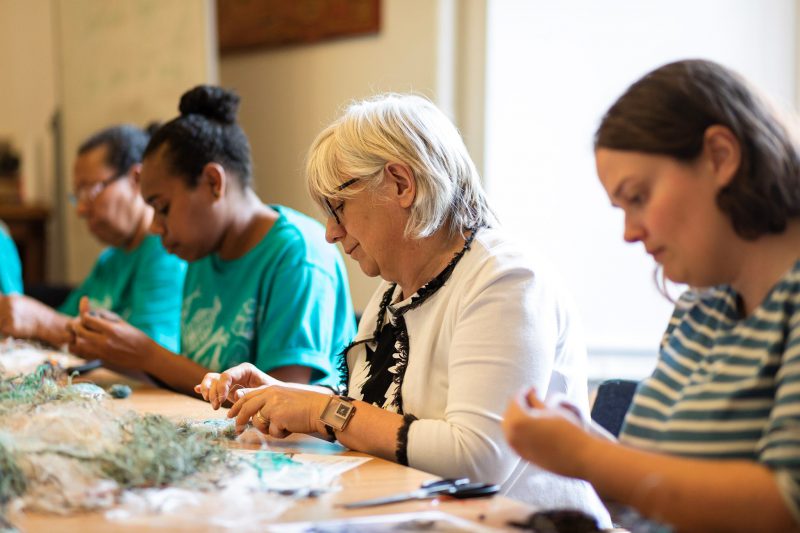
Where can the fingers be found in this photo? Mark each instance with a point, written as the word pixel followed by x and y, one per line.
pixel 105 314
pixel 83 305
pixel 205 385
pixel 260 422
pixel 277 431
pixel 95 322
pixel 532 400
pixel 219 391
pixel 82 333
pixel 247 410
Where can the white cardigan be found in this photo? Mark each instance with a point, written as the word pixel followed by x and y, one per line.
pixel 498 324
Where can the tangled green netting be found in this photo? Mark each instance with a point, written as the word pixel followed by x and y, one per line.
pixel 130 450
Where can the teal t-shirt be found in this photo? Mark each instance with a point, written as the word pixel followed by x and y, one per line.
pixel 143 286
pixel 285 302
pixel 10 266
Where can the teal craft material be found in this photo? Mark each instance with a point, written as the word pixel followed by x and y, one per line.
pixel 87 441
pixel 119 391
pixel 87 390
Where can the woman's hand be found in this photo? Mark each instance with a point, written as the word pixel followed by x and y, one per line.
pixel 280 410
pixel 231 385
pixel 103 335
pixel 551 438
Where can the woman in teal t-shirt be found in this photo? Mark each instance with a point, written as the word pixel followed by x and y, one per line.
pixel 10 267
pixel 262 285
pixel 134 277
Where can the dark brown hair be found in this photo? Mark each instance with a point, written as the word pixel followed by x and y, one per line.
pixel 668 111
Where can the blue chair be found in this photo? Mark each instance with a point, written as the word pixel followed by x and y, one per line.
pixel 612 402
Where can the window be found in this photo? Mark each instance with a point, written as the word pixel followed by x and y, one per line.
pixel 552 69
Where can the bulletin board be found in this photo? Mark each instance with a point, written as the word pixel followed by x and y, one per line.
pixel 249 24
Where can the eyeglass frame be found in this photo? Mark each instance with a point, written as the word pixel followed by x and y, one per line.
pixel 331 210
pixel 93 190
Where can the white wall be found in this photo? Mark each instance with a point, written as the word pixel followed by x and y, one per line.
pixel 124 62
pixel 27 85
pixel 290 94
pixel 552 70
pixel 28 102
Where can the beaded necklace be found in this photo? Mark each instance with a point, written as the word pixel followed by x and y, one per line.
pixel 388 348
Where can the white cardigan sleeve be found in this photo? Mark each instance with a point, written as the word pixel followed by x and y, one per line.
pixel 505 331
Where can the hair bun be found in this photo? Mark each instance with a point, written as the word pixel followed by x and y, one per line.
pixel 212 102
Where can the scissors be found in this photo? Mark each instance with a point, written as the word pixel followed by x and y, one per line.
pixel 84 368
pixel 460 488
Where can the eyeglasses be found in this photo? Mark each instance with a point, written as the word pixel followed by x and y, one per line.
pixel 87 193
pixel 331 210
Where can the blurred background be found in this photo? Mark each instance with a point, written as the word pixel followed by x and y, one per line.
pixel 526 82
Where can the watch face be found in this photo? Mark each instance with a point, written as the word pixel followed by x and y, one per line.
pixel 343 410
pixel 337 413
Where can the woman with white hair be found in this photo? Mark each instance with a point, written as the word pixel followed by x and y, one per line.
pixel 461 321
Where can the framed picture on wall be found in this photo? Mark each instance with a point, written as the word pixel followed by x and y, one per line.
pixel 249 24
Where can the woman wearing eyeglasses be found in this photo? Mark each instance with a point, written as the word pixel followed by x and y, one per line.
pixel 262 285
pixel 135 278
pixel 462 319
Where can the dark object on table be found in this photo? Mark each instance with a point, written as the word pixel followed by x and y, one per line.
pixel 460 488
pixel 119 391
pixel 558 521
pixel 88 366
pixel 612 402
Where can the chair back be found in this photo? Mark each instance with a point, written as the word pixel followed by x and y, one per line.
pixel 612 402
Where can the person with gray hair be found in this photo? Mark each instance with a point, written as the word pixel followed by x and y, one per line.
pixel 134 278
pixel 461 321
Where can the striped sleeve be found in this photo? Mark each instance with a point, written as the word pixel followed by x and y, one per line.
pixel 779 449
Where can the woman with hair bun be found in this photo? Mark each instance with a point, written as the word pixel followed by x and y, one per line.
pixel 262 286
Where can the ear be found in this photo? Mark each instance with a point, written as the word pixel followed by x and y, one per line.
pixel 403 184
pixel 724 152
pixel 135 172
pixel 215 178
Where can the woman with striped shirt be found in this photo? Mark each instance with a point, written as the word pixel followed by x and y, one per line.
pixel 709 181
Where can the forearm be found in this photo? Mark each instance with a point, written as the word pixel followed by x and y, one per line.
pixel 689 494
pixel 178 372
pixel 51 326
pixel 372 430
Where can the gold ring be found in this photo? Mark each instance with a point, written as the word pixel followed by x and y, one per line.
pixel 261 418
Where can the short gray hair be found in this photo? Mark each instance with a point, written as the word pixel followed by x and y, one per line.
pixel 406 129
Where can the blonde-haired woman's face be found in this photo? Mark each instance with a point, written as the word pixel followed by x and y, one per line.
pixel 369 230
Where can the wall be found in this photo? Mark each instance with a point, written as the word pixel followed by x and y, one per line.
pixel 27 85
pixel 544 105
pixel 28 88
pixel 289 94
pixel 123 62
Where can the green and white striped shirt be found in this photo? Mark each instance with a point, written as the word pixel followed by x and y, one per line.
pixel 727 387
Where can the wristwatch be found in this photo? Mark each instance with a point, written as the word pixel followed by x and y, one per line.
pixel 337 413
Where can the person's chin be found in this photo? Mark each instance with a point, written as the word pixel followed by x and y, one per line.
pixel 183 253
pixel 369 268
pixel 106 237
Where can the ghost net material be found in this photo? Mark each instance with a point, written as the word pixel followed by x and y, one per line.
pixel 68 447
pixel 63 449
